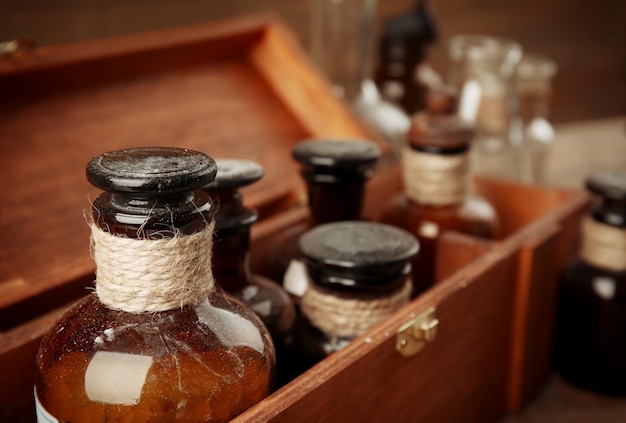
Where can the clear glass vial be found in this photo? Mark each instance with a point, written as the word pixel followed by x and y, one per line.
pixel 158 340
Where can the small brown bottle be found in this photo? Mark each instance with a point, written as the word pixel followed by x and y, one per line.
pixel 590 350
pixel 359 274
pixel 437 190
pixel 231 267
pixel 158 341
pixel 335 172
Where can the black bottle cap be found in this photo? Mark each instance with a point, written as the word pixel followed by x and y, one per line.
pixel 151 170
pixel 417 25
pixel 231 175
pixel 337 156
pixel 235 173
pixel 358 254
pixel 439 132
pixel 608 184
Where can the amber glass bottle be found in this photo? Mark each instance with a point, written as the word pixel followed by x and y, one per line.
pixel 359 274
pixel 437 191
pixel 335 173
pixel 231 267
pixel 158 341
pixel 591 322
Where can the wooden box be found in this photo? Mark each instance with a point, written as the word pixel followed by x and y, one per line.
pixel 245 89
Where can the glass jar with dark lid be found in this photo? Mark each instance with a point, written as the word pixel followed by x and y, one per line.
pixel 438 193
pixel 231 267
pixel 335 173
pixel 158 340
pixel 359 274
pixel 591 320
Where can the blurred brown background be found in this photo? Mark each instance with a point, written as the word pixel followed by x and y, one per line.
pixel 586 37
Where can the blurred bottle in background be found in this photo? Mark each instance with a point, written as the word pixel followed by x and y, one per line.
pixel 483 69
pixel 534 84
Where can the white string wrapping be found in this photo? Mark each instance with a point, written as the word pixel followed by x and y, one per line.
pixel 350 315
pixel 603 245
pixel 435 179
pixel 143 275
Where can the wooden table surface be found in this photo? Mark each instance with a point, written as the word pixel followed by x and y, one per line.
pixel 583 147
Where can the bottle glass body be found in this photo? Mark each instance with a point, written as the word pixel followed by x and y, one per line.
pixel 473 216
pixel 591 323
pixel 206 361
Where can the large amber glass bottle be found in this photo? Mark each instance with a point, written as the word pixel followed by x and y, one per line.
pixel 158 341
pixel 591 323
pixel 335 173
pixel 437 193
pixel 231 267
pixel 359 275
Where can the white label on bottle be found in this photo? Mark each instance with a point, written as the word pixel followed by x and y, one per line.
pixel 42 415
pixel 231 329
pixel 295 280
pixel 116 378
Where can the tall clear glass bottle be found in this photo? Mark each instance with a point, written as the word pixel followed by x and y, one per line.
pixel 335 173
pixel 231 267
pixel 438 193
pixel 591 321
pixel 482 69
pixel 158 340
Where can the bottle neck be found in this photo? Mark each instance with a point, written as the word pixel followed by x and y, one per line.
pixel 231 267
pixel 603 245
pixel 434 178
pixel 334 199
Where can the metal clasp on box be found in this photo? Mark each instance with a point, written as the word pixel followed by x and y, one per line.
pixel 418 332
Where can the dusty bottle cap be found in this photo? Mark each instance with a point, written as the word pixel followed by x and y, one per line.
pixel 609 184
pixel 337 156
pixel 235 173
pixel 439 132
pixel 358 254
pixel 231 175
pixel 151 170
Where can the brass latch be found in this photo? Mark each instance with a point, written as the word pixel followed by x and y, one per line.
pixel 415 334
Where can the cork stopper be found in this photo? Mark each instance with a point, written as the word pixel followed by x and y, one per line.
pixel 151 170
pixel 439 133
pixel 355 254
pixel 337 156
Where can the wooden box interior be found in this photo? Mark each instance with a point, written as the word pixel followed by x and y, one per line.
pixel 244 89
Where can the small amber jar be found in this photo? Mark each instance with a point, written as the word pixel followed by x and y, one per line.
pixel 437 193
pixel 231 267
pixel 359 274
pixel 158 341
pixel 591 321
pixel 335 173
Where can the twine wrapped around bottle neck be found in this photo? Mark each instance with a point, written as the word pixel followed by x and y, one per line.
pixel 145 275
pixel 603 245
pixel 351 315
pixel 435 179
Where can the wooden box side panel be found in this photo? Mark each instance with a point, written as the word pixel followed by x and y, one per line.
pixel 466 365
pixel 541 260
